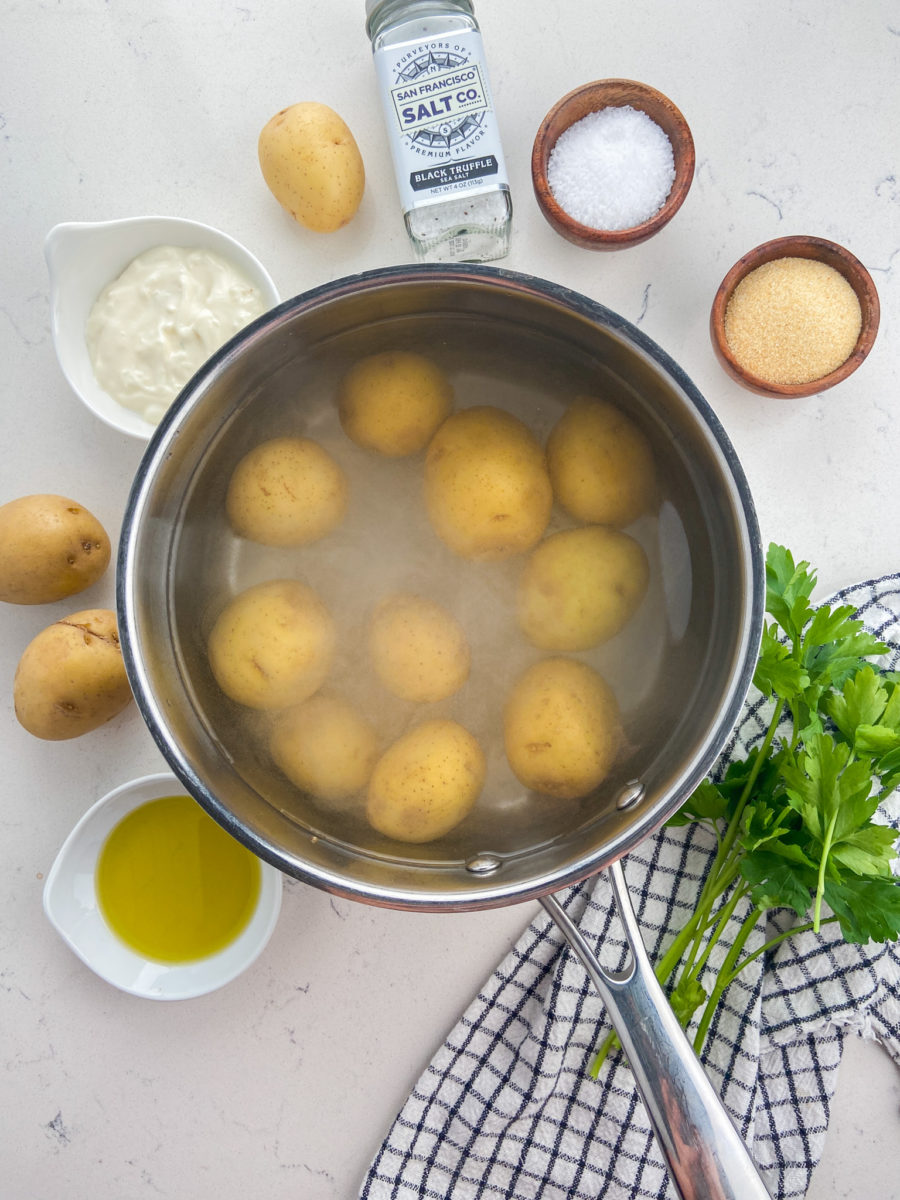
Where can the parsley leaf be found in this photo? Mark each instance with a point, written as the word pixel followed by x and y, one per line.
pixel 788 588
pixel 778 672
pixel 777 882
pixel 705 803
pixel 889 770
pixel 868 909
pixel 862 701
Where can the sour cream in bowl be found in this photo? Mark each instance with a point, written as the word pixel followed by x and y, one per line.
pixel 139 304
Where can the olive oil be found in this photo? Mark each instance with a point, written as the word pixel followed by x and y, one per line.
pixel 172 884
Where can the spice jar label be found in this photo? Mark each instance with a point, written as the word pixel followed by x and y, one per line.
pixel 440 118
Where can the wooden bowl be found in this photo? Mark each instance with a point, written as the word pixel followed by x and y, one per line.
pixel 589 98
pixel 799 246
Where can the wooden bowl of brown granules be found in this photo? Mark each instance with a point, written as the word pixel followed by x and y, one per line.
pixel 794 316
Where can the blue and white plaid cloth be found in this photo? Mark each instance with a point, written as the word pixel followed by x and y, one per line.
pixel 507 1110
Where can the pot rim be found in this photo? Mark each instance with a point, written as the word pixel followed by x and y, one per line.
pixel 486 893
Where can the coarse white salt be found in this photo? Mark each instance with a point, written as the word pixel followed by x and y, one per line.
pixel 613 169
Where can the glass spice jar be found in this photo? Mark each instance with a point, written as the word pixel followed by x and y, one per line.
pixel 445 144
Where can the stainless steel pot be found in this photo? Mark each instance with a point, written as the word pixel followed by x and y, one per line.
pixel 177 557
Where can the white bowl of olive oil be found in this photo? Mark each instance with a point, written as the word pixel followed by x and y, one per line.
pixel 158 899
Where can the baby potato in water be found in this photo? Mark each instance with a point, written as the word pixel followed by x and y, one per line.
pixel 601 464
pixel 287 491
pixel 418 649
pixel 561 728
pixel 580 587
pixel 393 402
pixel 487 490
pixel 272 646
pixel 324 746
pixel 426 782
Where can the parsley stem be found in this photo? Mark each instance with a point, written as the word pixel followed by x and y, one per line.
pixel 663 971
pixel 610 1042
pixel 709 894
pixel 704 918
pixel 772 943
pixel 725 971
pixel 820 883
pixel 718 879
pixel 721 923
pixel 734 825
pixel 670 960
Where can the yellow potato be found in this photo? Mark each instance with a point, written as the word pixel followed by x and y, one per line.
pixel 71 678
pixel 50 548
pixel 561 728
pixel 426 782
pixel 325 747
pixel 580 587
pixel 393 402
pixel 287 491
pixel 418 649
pixel 601 464
pixel 312 165
pixel 487 490
pixel 273 645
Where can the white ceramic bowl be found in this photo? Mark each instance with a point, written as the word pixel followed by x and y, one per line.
pixel 70 902
pixel 83 258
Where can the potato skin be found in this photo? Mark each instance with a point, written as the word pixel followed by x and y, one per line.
pixel 601 464
pixel 393 402
pixel 487 490
pixel 50 548
pixel 561 728
pixel 426 782
pixel 272 645
pixel 71 678
pixel 418 649
pixel 325 747
pixel 287 491
pixel 312 165
pixel 580 587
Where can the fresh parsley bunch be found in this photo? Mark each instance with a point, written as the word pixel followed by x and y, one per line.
pixel 795 820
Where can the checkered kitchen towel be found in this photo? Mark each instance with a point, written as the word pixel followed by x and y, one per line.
pixel 507 1109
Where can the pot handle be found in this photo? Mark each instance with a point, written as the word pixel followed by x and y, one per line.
pixel 706 1157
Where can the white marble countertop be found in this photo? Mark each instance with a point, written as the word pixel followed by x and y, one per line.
pixel 282 1084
